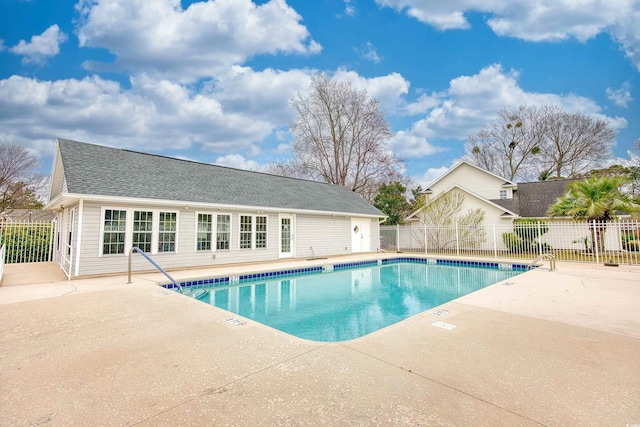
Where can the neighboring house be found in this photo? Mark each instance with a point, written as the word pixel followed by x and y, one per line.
pixel 501 200
pixel 480 188
pixel 187 214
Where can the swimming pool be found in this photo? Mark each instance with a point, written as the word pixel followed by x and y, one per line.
pixel 345 301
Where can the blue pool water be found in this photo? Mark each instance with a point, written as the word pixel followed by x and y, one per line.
pixel 349 303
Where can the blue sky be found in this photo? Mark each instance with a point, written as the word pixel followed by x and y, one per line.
pixel 210 81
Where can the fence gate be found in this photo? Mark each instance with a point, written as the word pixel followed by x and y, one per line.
pixel 27 241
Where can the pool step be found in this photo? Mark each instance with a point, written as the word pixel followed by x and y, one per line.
pixel 196 293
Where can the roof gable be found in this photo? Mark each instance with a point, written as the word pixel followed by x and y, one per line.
pixel 462 164
pixel 104 171
pixel 506 213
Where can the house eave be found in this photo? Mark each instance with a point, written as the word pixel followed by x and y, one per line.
pixel 62 200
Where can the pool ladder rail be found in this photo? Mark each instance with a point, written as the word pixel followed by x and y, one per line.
pixel 548 256
pixel 155 264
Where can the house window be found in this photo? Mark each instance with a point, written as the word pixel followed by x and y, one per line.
pixel 246 234
pixel 142 230
pixel 223 231
pixel 114 231
pixel 253 232
pixel 261 232
pixel 503 194
pixel 167 232
pixel 203 238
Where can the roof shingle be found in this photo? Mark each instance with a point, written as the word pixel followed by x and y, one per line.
pixel 99 170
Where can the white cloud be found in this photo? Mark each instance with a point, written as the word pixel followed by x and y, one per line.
pixel 429 176
pixel 536 20
pixel 388 90
pixel 423 104
pixel 626 31
pixel 163 40
pixel 409 145
pixel 349 8
pixel 154 114
pixel 471 102
pixel 369 53
pixel 261 94
pixel 40 47
pixel 238 162
pixel 622 96
pixel 240 112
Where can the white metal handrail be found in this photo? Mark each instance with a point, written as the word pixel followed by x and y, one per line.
pixel 155 264
pixel 550 257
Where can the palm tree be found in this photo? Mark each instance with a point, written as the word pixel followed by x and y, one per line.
pixel 595 200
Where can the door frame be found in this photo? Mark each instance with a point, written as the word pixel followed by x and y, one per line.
pixel 292 233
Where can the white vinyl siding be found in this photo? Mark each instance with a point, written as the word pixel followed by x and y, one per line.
pixel 328 236
pixel 322 236
pixel 472 179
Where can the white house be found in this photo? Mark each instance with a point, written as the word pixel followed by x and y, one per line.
pixel 481 190
pixel 189 214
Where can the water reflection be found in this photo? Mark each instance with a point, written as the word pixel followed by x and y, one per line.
pixel 347 304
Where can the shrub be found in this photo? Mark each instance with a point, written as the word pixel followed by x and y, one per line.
pixel 513 242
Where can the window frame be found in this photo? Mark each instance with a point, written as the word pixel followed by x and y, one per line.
pixel 253 232
pixel 213 233
pixel 129 232
pixel 101 243
pixel 208 233
pixel 227 232
pixel 146 232
pixel 158 233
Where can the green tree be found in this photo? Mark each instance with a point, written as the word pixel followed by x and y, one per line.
pixel 418 199
pixel 596 200
pixel 392 201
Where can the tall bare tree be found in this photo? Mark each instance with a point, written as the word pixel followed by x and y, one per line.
pixel 508 145
pixel 340 138
pixel 19 180
pixel 540 142
pixel 573 143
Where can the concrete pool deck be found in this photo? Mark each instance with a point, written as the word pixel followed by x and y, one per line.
pixel 542 348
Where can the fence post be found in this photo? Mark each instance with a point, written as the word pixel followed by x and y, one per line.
pixel 425 238
pixel 495 242
pixel 539 239
pixel 457 240
pixel 397 237
pixel 596 241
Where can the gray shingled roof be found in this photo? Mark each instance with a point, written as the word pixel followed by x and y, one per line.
pixel 98 170
pixel 535 198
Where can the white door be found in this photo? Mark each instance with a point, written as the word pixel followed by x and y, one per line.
pixel 287 237
pixel 360 235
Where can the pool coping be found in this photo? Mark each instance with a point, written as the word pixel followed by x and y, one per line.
pixel 230 280
pixel 553 348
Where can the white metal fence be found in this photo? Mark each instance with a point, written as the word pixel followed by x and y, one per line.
pixel 27 242
pixel 568 241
